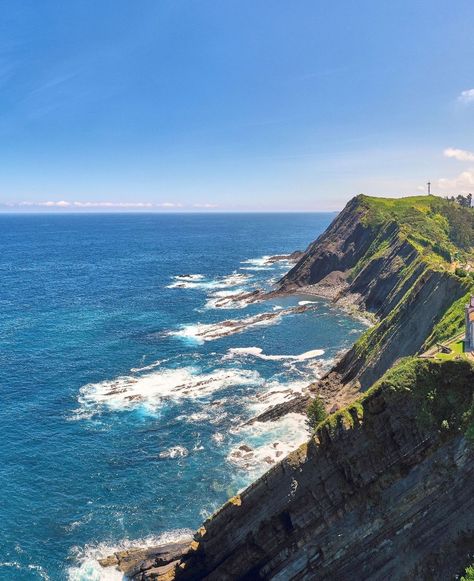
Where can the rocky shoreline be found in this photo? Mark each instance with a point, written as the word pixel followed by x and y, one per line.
pixel 366 488
pixel 159 562
pixel 150 563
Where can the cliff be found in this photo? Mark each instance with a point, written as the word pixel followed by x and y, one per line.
pixel 399 259
pixel 384 490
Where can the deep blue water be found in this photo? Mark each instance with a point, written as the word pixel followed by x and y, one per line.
pixel 117 422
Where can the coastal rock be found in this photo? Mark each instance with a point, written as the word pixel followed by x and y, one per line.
pixel 293 257
pixel 379 493
pixel 370 261
pixel 136 563
pixel 296 404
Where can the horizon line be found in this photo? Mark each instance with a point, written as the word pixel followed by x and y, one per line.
pixel 158 213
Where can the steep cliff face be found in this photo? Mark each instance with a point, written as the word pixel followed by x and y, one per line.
pixel 339 248
pixel 404 330
pixel 396 258
pixel 385 488
pixel 384 491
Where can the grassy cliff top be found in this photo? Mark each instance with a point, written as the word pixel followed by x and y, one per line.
pixel 442 392
pixel 431 223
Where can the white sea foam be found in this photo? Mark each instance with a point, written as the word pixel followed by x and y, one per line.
pixel 199 281
pixel 147 367
pixel 266 262
pixel 89 569
pixel 201 332
pixel 29 569
pixel 276 392
pixel 190 277
pixel 174 452
pixel 194 418
pixel 227 299
pixel 302 303
pixel 261 261
pixel 149 390
pixel 218 438
pixel 263 444
pixel 258 353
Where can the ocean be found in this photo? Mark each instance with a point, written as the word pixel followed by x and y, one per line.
pixel 123 396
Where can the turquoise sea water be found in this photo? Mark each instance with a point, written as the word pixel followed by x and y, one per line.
pixel 118 422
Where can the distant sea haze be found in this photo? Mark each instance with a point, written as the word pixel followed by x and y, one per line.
pixel 124 402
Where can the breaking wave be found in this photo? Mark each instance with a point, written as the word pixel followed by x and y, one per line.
pixel 128 392
pixel 174 452
pixel 258 353
pixel 199 281
pixel 227 299
pixel 201 332
pixel 89 569
pixel 266 262
pixel 263 444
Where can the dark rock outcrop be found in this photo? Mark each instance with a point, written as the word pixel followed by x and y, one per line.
pixel 339 248
pixel 375 265
pixel 385 490
pixel 385 498
pixel 156 561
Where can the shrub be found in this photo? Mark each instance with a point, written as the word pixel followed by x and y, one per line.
pixel 315 413
pixel 469 574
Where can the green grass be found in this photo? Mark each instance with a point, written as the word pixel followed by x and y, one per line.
pixel 436 227
pixel 457 350
pixel 451 323
pixel 442 393
pixel 435 235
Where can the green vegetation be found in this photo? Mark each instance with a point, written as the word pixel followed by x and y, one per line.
pixel 315 413
pixel 463 273
pixel 468 574
pixel 435 226
pixel 418 236
pixel 442 393
pixel 451 323
pixel 457 351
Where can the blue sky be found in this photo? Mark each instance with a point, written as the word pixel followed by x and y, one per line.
pixel 232 105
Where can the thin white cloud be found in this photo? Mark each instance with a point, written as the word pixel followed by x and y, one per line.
pixel 209 206
pixel 169 205
pixel 459 154
pixel 467 96
pixel 98 205
pixel 461 184
pixel 111 205
pixel 87 204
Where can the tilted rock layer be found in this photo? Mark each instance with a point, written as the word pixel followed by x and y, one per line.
pixel 396 262
pixel 385 491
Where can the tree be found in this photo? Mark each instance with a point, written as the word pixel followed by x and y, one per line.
pixel 315 413
pixel 463 201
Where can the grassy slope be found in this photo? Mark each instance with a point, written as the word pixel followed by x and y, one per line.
pixel 452 323
pixel 442 391
pixel 441 232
